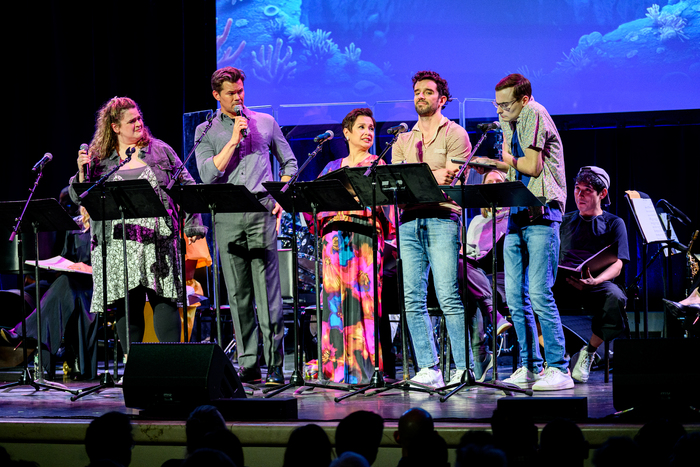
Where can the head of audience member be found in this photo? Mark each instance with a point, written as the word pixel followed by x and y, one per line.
pixel 562 444
pixel 227 88
pixel 303 439
pixel 350 459
pixel 591 187
pixel 119 121
pixel 416 427
pixel 492 176
pixel 206 457
pixel 358 129
pixel 360 432
pixel 430 93
pixel 686 452
pixel 512 95
pixel 472 454
pixel 222 439
pixel 656 440
pixel 616 451
pixel 204 419
pixel 516 435
pixel 110 437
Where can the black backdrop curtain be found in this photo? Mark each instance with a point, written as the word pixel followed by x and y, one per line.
pixel 64 59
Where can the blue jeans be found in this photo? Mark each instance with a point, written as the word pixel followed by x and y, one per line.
pixel 531 257
pixel 427 243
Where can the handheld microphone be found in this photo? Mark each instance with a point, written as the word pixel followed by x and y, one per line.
pixel 42 162
pixel 238 109
pixel 398 129
pixel 489 126
pixel 86 167
pixel 323 137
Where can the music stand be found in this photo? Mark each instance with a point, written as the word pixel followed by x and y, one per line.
pixel 392 185
pixel 126 199
pixel 43 215
pixel 315 196
pixel 213 199
pixel 492 196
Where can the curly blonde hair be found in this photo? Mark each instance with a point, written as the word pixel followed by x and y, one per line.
pixel 104 141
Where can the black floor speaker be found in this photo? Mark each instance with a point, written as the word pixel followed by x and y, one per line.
pixel 656 374
pixel 179 376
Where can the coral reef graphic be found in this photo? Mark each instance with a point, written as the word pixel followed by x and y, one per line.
pixel 273 69
pixel 319 46
pixel 655 39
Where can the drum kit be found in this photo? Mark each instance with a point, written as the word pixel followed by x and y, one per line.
pixel 306 245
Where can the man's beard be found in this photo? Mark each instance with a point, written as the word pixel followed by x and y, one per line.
pixel 426 110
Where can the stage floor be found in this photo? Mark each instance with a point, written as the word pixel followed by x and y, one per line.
pixel 473 405
pixel 40 425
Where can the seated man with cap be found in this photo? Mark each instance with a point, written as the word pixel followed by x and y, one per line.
pixel 583 234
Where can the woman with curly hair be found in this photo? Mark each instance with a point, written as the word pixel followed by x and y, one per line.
pixel 151 243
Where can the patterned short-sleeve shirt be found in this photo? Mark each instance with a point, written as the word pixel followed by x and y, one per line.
pixel 536 130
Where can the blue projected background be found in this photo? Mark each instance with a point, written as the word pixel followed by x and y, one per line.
pixel 582 56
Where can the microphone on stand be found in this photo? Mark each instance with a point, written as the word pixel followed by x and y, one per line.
pixel 398 129
pixel 323 137
pixel 86 167
pixel 238 109
pixel 489 126
pixel 42 162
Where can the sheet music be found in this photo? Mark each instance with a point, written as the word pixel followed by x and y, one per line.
pixel 59 263
pixel 649 221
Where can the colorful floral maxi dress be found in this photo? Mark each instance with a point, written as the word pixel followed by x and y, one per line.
pixel 348 291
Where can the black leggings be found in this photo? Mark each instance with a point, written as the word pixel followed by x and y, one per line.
pixel 166 319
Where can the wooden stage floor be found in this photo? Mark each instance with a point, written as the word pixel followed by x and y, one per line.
pixel 48 422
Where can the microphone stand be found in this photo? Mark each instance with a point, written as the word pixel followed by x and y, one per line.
pixel 181 227
pixel 297 380
pixel 377 380
pixel 26 379
pixel 107 380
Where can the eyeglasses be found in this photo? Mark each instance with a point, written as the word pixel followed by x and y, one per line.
pixel 504 105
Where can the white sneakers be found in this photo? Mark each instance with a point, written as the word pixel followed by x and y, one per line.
pixel 582 369
pixel 554 379
pixel 429 377
pixel 550 379
pixel 522 377
pixel 456 377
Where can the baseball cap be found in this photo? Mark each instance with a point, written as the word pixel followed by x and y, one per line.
pixel 603 176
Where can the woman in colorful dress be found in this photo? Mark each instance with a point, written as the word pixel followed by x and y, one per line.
pixel 348 264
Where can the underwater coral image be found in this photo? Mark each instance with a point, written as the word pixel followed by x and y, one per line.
pixel 582 56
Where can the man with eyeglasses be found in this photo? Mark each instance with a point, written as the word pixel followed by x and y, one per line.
pixel 430 232
pixel 532 153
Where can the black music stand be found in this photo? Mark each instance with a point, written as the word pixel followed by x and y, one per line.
pixel 315 196
pixel 126 199
pixel 43 215
pixel 492 196
pixel 214 199
pixel 392 185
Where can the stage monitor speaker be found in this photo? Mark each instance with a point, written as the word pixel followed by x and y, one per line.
pixel 656 374
pixel 178 375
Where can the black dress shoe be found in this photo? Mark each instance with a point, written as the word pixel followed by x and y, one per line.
pixel 249 375
pixel 275 376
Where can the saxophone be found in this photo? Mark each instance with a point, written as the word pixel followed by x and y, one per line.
pixel 692 260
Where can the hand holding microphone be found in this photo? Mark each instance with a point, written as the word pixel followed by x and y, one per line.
pixel 238 109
